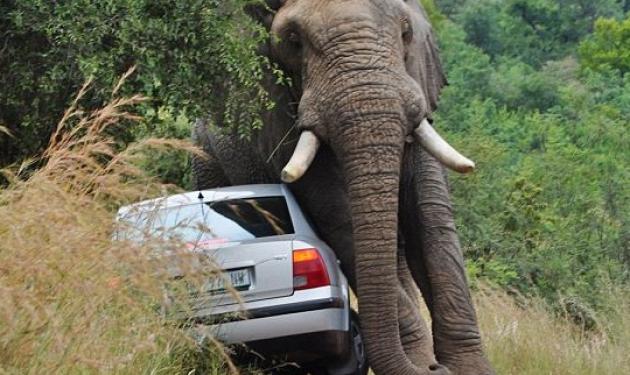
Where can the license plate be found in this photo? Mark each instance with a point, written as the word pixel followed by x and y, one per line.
pixel 238 279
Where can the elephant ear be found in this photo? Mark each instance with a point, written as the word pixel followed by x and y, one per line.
pixel 423 60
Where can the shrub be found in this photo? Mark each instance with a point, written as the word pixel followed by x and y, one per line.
pixel 192 57
pixel 608 47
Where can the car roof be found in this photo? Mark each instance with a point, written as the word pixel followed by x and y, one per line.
pixel 209 195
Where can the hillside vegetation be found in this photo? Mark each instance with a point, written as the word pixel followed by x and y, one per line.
pixel 538 96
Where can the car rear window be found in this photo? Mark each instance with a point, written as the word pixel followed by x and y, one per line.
pixel 219 221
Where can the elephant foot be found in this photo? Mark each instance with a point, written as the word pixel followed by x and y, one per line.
pixel 434 369
pixel 468 364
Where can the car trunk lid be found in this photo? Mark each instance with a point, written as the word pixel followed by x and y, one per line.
pixel 257 270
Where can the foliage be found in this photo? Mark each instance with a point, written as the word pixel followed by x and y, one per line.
pixel 190 56
pixel 434 14
pixel 608 47
pixel 533 31
pixel 172 167
pixel 547 211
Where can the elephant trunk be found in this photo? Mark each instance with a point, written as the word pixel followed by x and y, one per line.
pixel 369 145
pixel 373 190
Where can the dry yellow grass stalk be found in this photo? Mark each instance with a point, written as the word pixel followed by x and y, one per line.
pixel 71 299
pixel 4 130
pixel 529 340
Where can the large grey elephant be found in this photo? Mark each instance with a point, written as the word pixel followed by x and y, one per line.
pixel 353 138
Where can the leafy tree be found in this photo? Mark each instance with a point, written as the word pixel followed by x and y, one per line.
pixel 434 14
pixel 483 24
pixel 547 211
pixel 521 87
pixel 190 56
pixel 533 31
pixel 608 47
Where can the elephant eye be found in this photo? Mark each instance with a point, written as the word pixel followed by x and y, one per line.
pixel 407 31
pixel 294 38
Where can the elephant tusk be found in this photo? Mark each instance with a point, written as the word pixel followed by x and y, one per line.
pixel 435 145
pixel 302 158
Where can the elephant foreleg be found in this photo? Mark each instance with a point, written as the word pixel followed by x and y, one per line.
pixel 456 336
pixel 414 334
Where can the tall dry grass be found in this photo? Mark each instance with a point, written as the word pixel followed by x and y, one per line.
pixel 71 299
pixel 525 338
pixel 528 340
pixel 4 130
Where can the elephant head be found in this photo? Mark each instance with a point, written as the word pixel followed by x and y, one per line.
pixel 368 77
pixel 363 52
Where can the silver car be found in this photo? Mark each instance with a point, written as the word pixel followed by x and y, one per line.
pixel 294 299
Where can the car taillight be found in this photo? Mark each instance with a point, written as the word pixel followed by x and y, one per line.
pixel 309 269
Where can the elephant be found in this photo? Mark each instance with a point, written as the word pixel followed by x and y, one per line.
pixel 353 138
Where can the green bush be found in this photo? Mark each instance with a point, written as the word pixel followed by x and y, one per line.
pixel 547 211
pixel 608 47
pixel 533 31
pixel 191 57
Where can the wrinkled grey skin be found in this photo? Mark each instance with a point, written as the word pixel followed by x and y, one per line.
pixel 366 73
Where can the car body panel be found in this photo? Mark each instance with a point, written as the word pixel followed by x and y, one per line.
pixel 270 268
pixel 266 328
pixel 269 308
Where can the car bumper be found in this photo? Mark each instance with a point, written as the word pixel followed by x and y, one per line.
pixel 245 331
pixel 321 311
